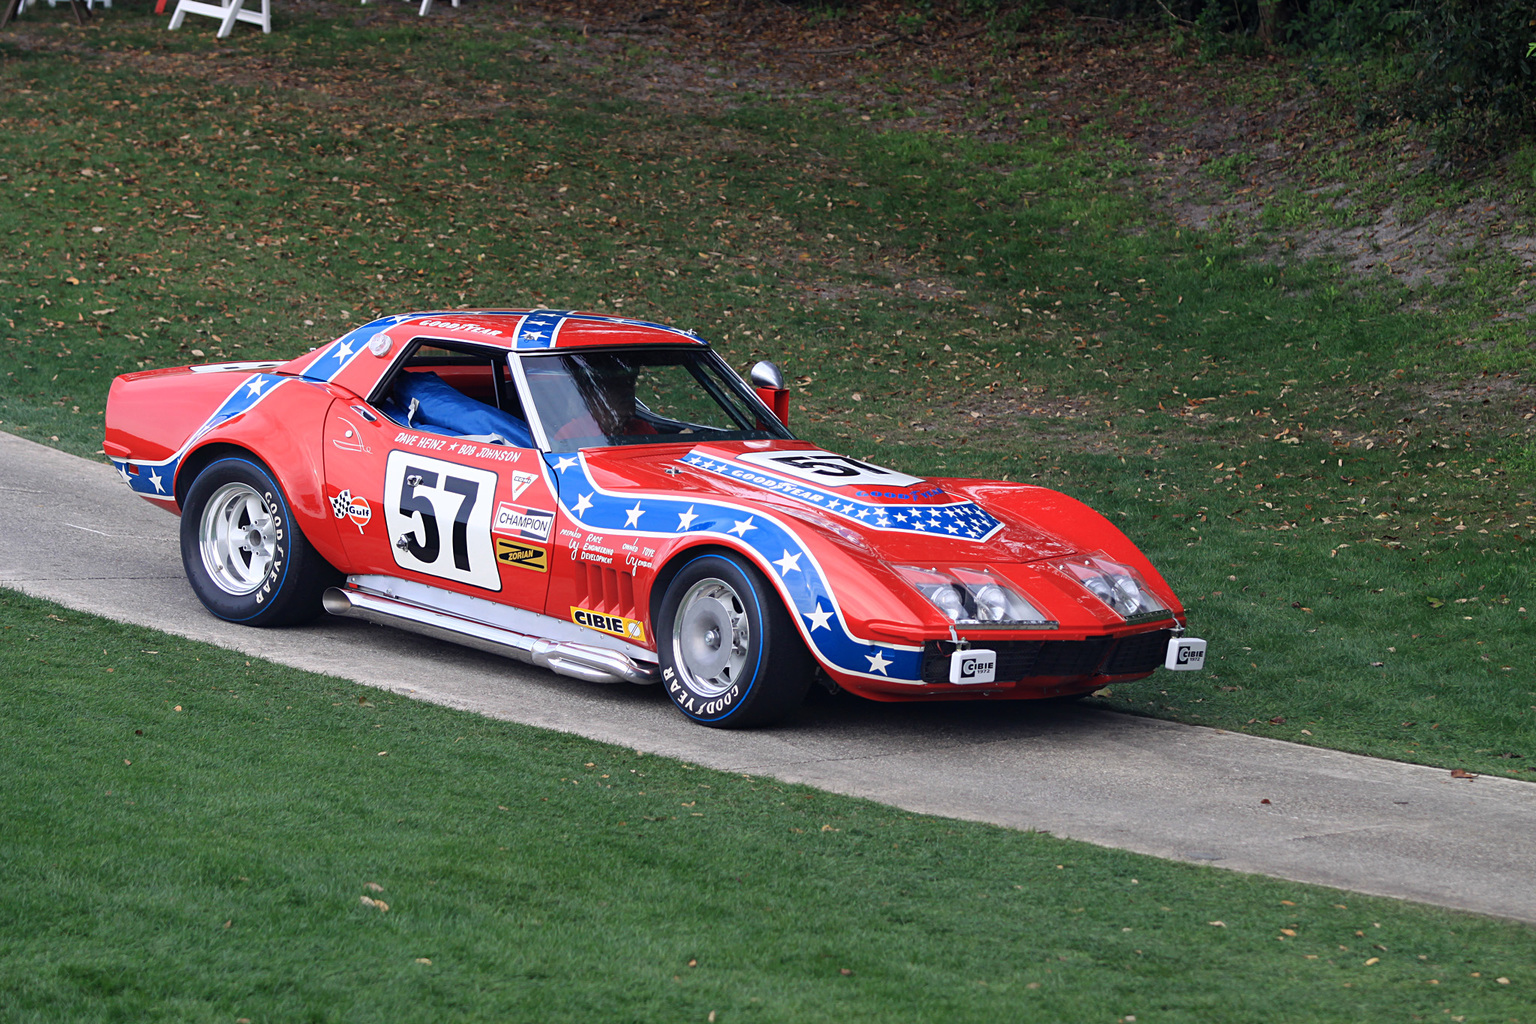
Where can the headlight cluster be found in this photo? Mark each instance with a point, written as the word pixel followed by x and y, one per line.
pixel 973 597
pixel 1118 586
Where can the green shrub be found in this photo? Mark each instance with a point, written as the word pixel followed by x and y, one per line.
pixel 1472 80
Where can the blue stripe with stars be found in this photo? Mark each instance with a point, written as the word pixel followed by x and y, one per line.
pixel 961 520
pixel 800 578
pixel 159 480
pixel 540 328
pixel 338 355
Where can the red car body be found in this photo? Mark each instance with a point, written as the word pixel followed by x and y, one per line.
pixel 576 549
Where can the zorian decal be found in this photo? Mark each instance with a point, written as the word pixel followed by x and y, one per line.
pixel 615 625
pixel 345 506
pixel 525 556
pixel 522 522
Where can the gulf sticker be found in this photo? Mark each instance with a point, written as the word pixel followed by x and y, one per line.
pixel 356 509
pixel 527 556
pixel 617 625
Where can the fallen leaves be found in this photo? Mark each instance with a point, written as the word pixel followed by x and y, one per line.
pixel 1458 773
pixel 379 905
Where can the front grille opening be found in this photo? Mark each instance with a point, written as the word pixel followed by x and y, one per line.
pixel 1024 659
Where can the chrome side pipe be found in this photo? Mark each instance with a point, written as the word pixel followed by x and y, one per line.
pixel 579 661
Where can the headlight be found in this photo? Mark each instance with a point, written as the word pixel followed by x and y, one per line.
pixel 1118 586
pixel 973 597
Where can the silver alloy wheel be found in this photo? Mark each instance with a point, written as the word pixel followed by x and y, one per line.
pixel 238 538
pixel 710 637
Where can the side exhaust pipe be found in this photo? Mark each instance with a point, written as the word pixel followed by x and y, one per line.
pixel 579 661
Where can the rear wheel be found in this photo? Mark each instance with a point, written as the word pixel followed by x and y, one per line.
pixel 730 654
pixel 245 558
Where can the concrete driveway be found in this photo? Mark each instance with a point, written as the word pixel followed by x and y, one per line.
pixel 71 532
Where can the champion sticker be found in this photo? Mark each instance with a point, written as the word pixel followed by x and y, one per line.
pixel 522 522
pixel 526 556
pixel 356 509
pixel 616 625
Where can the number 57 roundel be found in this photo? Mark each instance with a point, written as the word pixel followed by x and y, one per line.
pixel 439 518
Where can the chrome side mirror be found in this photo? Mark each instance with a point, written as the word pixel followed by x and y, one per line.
pixel 769 382
pixel 767 375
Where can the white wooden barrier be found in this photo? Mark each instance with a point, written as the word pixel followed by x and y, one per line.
pixel 229 12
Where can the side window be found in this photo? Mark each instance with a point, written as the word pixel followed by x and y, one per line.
pixel 457 391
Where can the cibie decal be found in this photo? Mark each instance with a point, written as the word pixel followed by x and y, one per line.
pixel 615 625
pixel 522 522
pixel 829 469
pixel 526 556
pixel 520 481
pixel 345 506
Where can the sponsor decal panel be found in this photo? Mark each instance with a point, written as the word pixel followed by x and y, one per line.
pixel 357 509
pixel 615 625
pixel 829 469
pixel 526 556
pixel 520 481
pixel 515 521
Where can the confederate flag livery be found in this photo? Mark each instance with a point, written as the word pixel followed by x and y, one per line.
pixel 605 497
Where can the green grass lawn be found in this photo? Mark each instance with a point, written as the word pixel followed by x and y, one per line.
pixel 1308 457
pixel 188 834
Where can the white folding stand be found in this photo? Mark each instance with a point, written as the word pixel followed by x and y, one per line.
pixel 229 12
pixel 426 7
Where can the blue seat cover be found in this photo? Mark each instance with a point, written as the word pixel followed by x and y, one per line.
pixel 444 410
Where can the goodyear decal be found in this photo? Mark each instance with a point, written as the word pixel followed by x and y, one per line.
pixel 156 479
pixel 616 625
pixel 526 556
pixel 799 576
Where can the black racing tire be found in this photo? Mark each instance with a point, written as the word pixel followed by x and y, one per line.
pixel 760 676
pixel 245 557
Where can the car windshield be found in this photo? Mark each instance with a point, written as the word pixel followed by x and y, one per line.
pixel 642 396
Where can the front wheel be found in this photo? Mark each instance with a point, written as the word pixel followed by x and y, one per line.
pixel 730 654
pixel 245 558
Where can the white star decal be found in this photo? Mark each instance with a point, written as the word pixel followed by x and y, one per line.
pixel 534 335
pixel 564 463
pixel 742 526
pixel 863 513
pixel 685 519
pixel 632 515
pixel 122 471
pixel 255 386
pixel 155 478
pixel 344 351
pixel 819 618
pixel 583 502
pixel 878 662
pixel 788 564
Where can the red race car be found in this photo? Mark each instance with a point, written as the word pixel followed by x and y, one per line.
pixel 605 497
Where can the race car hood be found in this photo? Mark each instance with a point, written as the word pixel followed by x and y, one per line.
pixel 895 516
